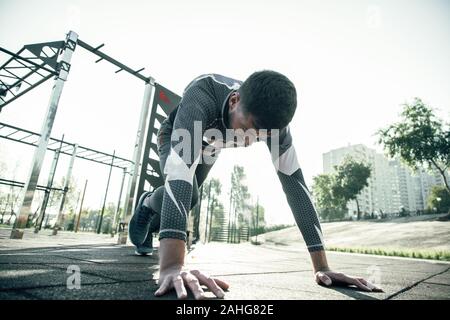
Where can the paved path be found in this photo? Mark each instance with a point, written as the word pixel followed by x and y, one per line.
pixel 36 268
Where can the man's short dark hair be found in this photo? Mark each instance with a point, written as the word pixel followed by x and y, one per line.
pixel 270 98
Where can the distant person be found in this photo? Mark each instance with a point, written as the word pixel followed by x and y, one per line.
pixel 218 112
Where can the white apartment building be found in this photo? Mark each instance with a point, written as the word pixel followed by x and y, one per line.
pixel 392 185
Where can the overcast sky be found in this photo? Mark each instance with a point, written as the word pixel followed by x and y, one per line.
pixel 353 63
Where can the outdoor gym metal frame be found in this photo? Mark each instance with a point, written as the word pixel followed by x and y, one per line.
pixel 36 63
pixel 31 138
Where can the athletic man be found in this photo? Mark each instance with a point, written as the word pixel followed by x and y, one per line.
pixel 217 112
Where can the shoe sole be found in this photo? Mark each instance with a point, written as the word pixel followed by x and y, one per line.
pixel 143 253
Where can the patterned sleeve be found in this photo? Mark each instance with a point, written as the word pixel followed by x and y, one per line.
pixel 190 121
pixel 298 196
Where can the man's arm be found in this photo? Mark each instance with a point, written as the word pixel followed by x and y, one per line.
pixel 180 166
pixel 284 158
pixel 300 201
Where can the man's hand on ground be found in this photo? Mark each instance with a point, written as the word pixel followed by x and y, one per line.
pixel 178 279
pixel 172 275
pixel 331 278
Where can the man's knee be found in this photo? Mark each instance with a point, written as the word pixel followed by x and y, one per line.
pixel 156 198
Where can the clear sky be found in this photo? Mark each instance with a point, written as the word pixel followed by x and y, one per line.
pixel 353 63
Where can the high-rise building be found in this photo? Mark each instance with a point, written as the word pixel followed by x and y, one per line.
pixel 393 186
pixel 360 152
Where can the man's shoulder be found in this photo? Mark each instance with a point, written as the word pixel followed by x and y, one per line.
pixel 215 80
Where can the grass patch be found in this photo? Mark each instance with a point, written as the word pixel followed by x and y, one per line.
pixel 422 254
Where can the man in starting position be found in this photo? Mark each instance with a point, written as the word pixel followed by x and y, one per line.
pixel 217 112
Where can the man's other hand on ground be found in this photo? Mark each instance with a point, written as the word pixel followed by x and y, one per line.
pixel 330 278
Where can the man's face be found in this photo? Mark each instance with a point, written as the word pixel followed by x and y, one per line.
pixel 239 120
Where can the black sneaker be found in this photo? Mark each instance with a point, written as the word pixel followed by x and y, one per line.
pixel 146 249
pixel 140 222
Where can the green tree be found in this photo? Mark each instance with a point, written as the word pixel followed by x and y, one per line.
pixel 70 202
pixel 212 189
pixel 239 205
pixel 108 217
pixel 3 167
pixel 439 198
pixel 329 206
pixel 69 221
pixel 257 219
pixel 88 220
pixel 218 215
pixel 71 196
pixel 420 138
pixel 11 198
pixel 351 178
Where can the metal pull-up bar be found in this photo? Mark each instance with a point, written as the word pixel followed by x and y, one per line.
pixel 61 70
pixel 104 56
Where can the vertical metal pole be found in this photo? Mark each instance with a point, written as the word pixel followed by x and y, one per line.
pixel 75 215
pixel 137 155
pixel 197 214
pixel 257 218
pixel 106 193
pixel 51 177
pixel 60 217
pixel 234 224
pixel 211 219
pixel 229 217
pixel 116 215
pixel 81 206
pixel 39 153
pixel 207 212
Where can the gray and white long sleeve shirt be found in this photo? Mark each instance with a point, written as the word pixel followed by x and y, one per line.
pixel 204 106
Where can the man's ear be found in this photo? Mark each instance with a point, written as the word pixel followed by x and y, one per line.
pixel 234 99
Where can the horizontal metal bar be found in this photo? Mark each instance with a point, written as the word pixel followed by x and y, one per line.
pixel 18 67
pixel 111 60
pixel 100 152
pixel 100 46
pixel 4 125
pixel 21 79
pixel 102 156
pixel 67 146
pixel 101 162
pixel 6 76
pixel 22 184
pixel 29 135
pixel 12 57
pixel 52 143
pixel 21 141
pixel 80 152
pixel 35 70
pixel 121 161
pixel 14 132
pixel 26 90
pixel 7 87
pixel 27 60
